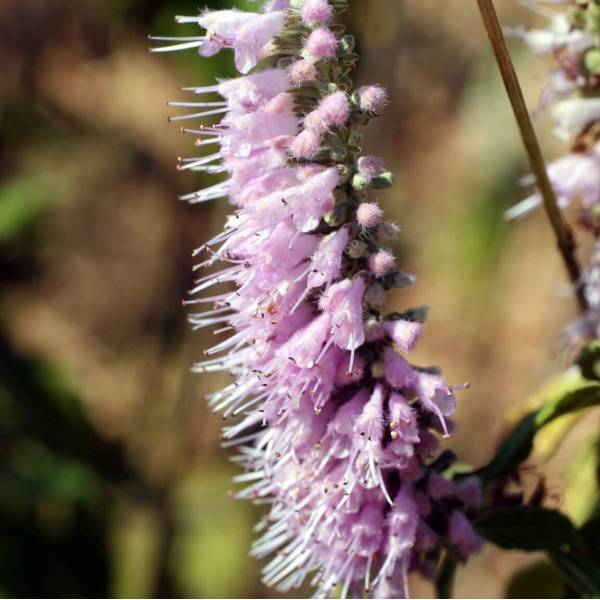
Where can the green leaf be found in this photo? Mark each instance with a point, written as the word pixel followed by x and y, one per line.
pixel 582 492
pixel 589 360
pixel 22 201
pixel 582 574
pixel 591 533
pixel 529 528
pixel 539 580
pixel 582 393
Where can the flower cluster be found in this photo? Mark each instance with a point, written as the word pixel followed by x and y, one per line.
pixel 336 429
pixel 572 96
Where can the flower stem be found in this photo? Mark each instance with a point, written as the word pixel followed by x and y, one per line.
pixel 562 232
pixel 445 578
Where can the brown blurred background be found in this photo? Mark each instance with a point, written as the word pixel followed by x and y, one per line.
pixel 112 481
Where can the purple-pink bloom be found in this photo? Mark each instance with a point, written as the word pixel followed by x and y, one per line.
pixel 369 214
pixel 316 12
pixel 369 167
pixel 305 144
pixel 462 535
pixel 371 98
pixel 381 263
pixel 332 111
pixel 247 33
pixel 302 71
pixel 320 44
pixel 574 176
pixel 335 429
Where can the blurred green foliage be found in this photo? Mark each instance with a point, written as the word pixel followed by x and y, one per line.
pixel 53 482
pixel 79 516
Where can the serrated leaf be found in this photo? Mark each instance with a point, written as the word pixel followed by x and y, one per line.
pixel 582 393
pixel 529 528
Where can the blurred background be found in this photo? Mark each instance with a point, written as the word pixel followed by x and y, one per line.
pixel 112 480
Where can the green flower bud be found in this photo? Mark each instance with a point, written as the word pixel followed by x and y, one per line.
pixel 593 18
pixel 338 154
pixel 577 18
pixel 400 280
pixel 359 182
pixel 591 61
pixel 595 214
pixel 355 138
pixel 382 181
pixel 347 44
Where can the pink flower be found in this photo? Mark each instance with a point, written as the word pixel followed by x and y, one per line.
pixel 369 167
pixel 435 396
pixel 247 33
pixel 316 12
pixel 335 428
pixel 403 333
pixel 305 144
pixel 252 92
pixel 381 263
pixel 462 535
pixel 559 34
pixel 302 71
pixel 398 372
pixel 573 115
pixel 343 301
pixel 369 214
pixel 327 261
pixel 371 98
pixel 333 111
pixel 572 176
pixel 320 44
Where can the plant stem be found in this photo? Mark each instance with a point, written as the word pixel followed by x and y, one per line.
pixel 445 577
pixel 562 232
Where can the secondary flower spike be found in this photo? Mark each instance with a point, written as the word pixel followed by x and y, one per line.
pixel 335 428
pixel 572 96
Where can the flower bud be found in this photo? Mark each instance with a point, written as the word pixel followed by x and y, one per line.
pixel 369 214
pixel 370 167
pixel 401 280
pixel 388 231
pixel 383 181
pixel 320 44
pixel 302 72
pixel 347 44
pixel 356 249
pixel 375 297
pixel 591 61
pixel 381 263
pixel 305 144
pixel 316 12
pixel 371 98
pixel 359 183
